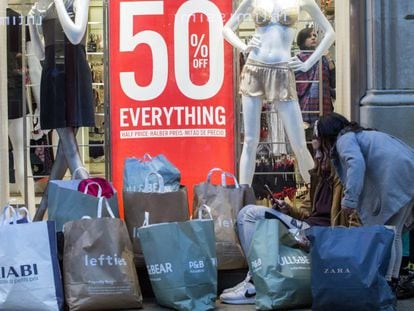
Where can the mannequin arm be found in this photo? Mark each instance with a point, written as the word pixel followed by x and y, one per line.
pixel 314 11
pixel 74 30
pixel 38 46
pixel 229 29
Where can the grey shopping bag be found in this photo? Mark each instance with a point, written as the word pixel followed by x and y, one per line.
pixel 98 266
pixel 66 203
pixel 29 269
pixel 181 263
pixel 281 271
pixel 225 202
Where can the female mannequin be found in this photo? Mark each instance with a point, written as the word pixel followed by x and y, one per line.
pixel 268 73
pixel 66 86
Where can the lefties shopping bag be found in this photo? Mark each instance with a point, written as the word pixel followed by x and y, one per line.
pixel 66 202
pixel 29 270
pixel 98 267
pixel 225 202
pixel 349 267
pixel 137 169
pixel 181 263
pixel 162 206
pixel 280 270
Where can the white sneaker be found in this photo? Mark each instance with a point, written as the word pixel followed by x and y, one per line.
pixel 242 293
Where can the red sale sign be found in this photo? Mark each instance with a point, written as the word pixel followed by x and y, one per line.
pixel 171 85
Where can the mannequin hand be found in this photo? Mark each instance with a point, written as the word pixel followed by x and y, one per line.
pixel 254 43
pixel 297 65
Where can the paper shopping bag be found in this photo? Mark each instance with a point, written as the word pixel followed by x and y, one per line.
pixel 280 270
pixel 225 202
pixel 98 268
pixel 349 267
pixel 162 206
pixel 181 262
pixel 66 203
pixel 30 276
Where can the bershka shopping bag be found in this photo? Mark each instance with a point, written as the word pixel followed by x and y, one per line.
pixel 225 202
pixel 137 169
pixel 162 206
pixel 181 263
pixel 349 267
pixel 98 268
pixel 29 270
pixel 66 203
pixel 280 270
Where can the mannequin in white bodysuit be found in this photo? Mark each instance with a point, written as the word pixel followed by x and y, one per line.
pixel 270 48
pixel 68 152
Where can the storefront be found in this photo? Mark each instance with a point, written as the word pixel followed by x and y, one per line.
pixel 196 76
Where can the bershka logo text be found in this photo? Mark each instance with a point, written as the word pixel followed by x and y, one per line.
pixel 293 260
pixel 336 271
pixel 160 268
pixel 105 260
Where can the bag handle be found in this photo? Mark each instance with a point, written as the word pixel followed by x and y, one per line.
pixel 224 174
pixel 24 209
pixel 77 170
pixel 108 208
pixel 203 208
pixel 147 157
pixel 161 186
pixel 8 213
pixel 146 219
pixel 85 191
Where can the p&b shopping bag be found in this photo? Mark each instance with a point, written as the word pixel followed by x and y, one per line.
pixel 280 270
pixel 162 206
pixel 66 203
pixel 225 202
pixel 98 268
pixel 137 169
pixel 181 263
pixel 349 267
pixel 29 269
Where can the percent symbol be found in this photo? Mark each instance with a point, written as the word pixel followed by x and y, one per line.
pixel 197 42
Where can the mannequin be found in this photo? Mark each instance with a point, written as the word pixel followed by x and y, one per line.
pixel 268 73
pixel 66 85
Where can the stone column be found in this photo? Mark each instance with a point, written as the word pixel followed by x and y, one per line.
pixel 388 104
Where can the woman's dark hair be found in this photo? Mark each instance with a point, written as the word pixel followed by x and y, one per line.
pixel 328 127
pixel 302 36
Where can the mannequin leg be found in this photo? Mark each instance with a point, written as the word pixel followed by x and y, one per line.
pixel 252 107
pixel 67 156
pixel 16 136
pixel 293 123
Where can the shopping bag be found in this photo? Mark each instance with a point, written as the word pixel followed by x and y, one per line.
pixel 98 267
pixel 30 276
pixel 225 202
pixel 181 262
pixel 66 203
pixel 162 206
pixel 280 270
pixel 137 169
pixel 349 267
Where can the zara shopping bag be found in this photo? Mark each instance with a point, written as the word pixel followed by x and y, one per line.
pixel 29 270
pixel 162 206
pixel 349 267
pixel 137 169
pixel 225 202
pixel 280 270
pixel 66 202
pixel 181 263
pixel 98 268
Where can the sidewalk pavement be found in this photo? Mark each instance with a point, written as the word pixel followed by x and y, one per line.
pixel 150 305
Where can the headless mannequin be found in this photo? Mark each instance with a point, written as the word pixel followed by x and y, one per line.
pixel 271 44
pixel 67 155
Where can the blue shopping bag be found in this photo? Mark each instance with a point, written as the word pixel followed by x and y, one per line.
pixel 349 267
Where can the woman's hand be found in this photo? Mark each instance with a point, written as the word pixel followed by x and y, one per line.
pixel 347 211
